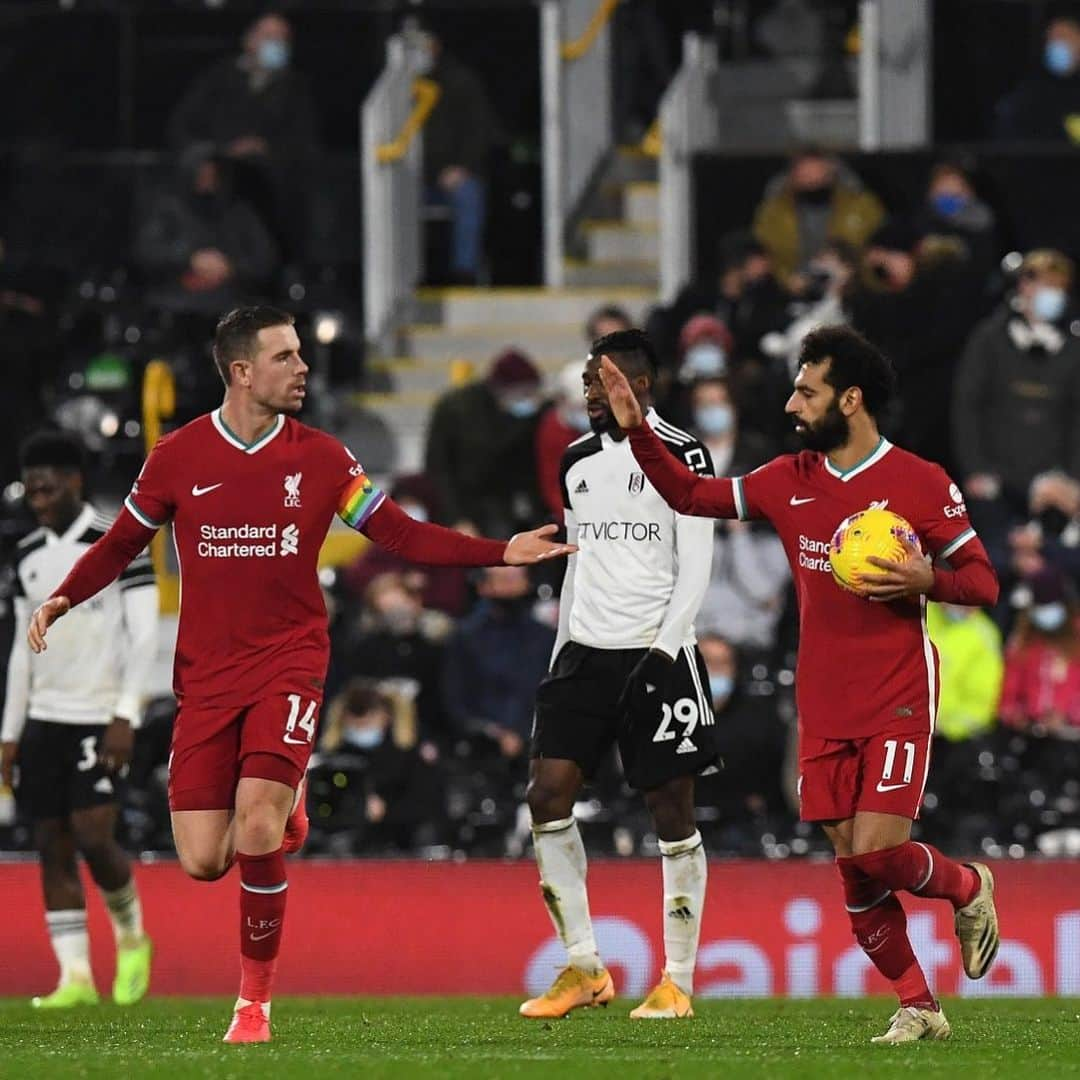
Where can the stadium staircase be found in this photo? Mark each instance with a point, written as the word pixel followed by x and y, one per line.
pixel 457 330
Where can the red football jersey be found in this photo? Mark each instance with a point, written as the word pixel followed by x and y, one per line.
pixel 862 665
pixel 248 524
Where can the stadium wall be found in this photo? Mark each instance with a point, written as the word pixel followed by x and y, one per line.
pixel 480 927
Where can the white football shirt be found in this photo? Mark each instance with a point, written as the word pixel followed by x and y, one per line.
pixel 641 569
pixel 100 653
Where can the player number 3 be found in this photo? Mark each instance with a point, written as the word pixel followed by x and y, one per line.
pixel 305 723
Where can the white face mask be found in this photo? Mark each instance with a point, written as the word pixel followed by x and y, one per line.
pixel 1049 618
pixel 703 361
pixel 415 511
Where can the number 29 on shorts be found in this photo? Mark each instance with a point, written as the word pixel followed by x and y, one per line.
pixel 300 723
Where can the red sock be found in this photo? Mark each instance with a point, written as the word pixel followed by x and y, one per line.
pixel 263 890
pixel 880 927
pixel 922 870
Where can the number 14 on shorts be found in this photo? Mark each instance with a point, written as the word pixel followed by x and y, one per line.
pixel 295 722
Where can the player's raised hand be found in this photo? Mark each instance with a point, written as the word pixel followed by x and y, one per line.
pixel 43 618
pixel 624 406
pixel 912 577
pixel 534 546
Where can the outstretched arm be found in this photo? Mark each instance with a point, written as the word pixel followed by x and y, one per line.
pixel 680 488
pixel 420 541
pixel 99 566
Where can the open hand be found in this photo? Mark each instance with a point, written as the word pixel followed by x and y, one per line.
pixel 117 745
pixel 43 618
pixel 624 406
pixel 912 577
pixel 530 547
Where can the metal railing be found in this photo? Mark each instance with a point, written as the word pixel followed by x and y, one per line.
pixel 575 71
pixel 159 404
pixel 689 123
pixel 391 166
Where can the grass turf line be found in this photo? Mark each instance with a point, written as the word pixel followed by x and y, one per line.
pixel 481 1038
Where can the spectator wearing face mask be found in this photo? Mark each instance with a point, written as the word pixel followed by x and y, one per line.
pixel 1016 397
pixel 384 789
pixel 458 137
pixel 816 200
pixel 257 110
pixel 751 740
pixel 394 637
pixel 1045 106
pixel 494 661
pixel 1042 664
pixel 953 208
pixel 201 248
pixel 481 449
pixel 918 298
pixel 557 429
pixel 443 588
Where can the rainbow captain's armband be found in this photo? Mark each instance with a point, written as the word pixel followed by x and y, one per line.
pixel 359 501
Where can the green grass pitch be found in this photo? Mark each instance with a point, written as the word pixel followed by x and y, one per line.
pixel 482 1038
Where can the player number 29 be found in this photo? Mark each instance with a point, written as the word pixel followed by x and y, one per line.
pixel 685 712
pixel 305 723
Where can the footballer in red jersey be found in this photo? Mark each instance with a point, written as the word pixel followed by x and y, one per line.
pixel 867 680
pixel 251 493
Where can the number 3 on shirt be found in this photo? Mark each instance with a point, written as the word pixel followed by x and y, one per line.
pixel 305 723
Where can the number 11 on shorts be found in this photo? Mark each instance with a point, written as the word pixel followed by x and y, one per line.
pixel 305 723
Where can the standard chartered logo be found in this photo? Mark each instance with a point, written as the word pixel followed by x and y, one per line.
pixel 290 540
pixel 247 541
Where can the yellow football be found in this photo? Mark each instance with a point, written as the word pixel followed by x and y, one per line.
pixel 872 532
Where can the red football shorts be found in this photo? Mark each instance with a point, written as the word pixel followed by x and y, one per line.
pixel 883 774
pixel 212 748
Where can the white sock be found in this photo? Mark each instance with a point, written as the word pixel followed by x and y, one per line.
pixel 125 911
pixel 241 1002
pixel 71 943
pixel 560 855
pixel 685 870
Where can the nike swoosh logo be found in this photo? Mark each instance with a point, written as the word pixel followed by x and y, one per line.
pixel 889 787
pixel 197 491
pixel 294 742
pixel 799 502
pixel 263 937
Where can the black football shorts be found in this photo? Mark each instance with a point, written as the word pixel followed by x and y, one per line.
pixel 578 716
pixel 60 771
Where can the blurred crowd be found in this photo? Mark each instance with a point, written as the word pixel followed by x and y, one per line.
pixel 425 737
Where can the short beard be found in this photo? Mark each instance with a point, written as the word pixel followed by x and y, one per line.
pixel 603 424
pixel 832 431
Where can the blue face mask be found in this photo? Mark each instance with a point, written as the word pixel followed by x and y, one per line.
pixel 948 203
pixel 364 738
pixel 1048 303
pixel 714 419
pixel 273 54
pixel 522 407
pixel 703 361
pixel 415 511
pixel 1049 618
pixel 720 686
pixel 1058 58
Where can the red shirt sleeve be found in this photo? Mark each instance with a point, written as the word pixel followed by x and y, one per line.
pixel 422 542
pixel 681 489
pixel 946 529
pixel 105 560
pixel 152 499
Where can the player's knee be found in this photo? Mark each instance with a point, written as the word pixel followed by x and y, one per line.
pixel 203 866
pixel 548 802
pixel 259 827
